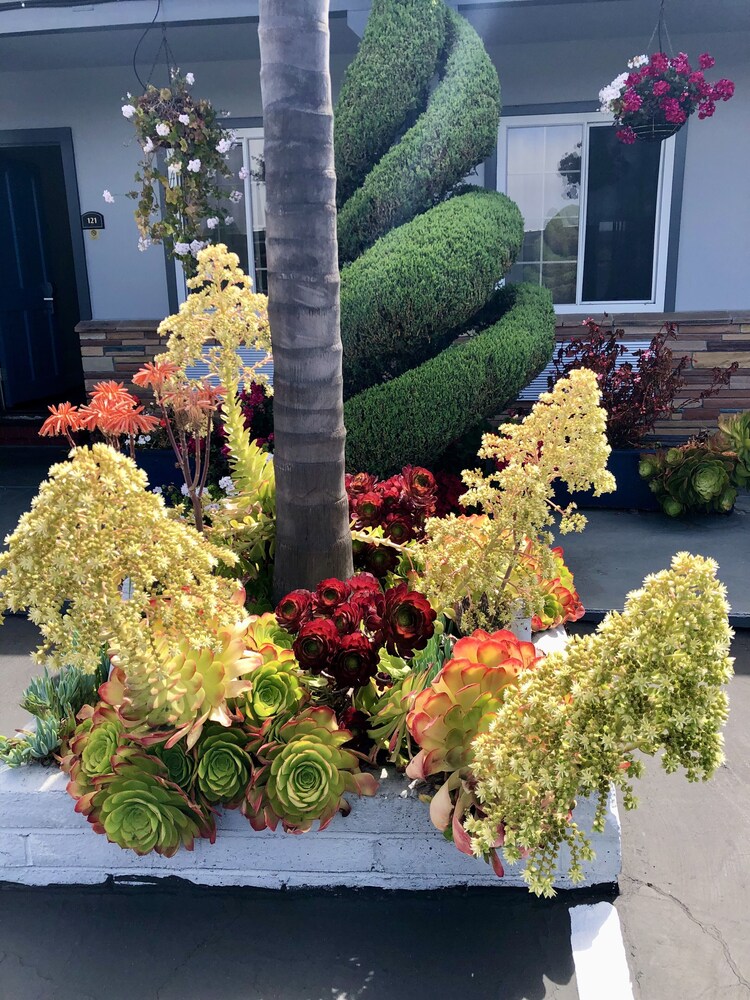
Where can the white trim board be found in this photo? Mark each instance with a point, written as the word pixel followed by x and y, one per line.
pixel 599 953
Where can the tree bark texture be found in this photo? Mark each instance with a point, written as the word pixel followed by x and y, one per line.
pixel 312 518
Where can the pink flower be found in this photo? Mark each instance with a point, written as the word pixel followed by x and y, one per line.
pixel 680 63
pixel 661 87
pixel 705 61
pixel 722 90
pixel 673 113
pixel 696 77
pixel 706 109
pixel 626 135
pixel 631 100
pixel 659 63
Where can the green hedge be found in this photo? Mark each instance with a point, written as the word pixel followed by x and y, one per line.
pixel 456 132
pixel 414 418
pixel 386 82
pixel 402 298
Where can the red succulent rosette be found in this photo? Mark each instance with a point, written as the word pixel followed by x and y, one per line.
pixel 355 661
pixel 347 616
pixel 361 482
pixel 421 487
pixel 381 560
pixel 294 610
pixel 316 644
pixel 408 622
pixel 398 528
pixel 330 593
pixel 371 608
pixel 364 582
pixel 367 509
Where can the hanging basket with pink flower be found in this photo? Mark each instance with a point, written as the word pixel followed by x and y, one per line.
pixel 656 97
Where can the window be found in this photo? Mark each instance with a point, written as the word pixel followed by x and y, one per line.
pixel 596 212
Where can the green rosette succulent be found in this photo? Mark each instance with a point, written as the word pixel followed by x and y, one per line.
pixel 304 775
pixel 276 691
pixel 180 763
pixel 139 808
pixel 735 431
pixel 388 718
pixel 224 765
pixel 93 748
pixel 694 478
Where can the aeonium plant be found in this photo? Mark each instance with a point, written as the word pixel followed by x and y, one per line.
pixel 184 154
pixel 663 90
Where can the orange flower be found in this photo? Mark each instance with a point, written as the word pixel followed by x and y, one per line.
pixel 134 421
pixel 153 376
pixel 111 391
pixel 65 418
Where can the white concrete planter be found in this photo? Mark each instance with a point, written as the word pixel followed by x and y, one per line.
pixel 386 841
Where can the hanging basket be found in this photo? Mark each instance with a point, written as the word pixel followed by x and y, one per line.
pixel 655 130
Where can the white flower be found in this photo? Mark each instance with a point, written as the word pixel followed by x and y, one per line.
pixel 181 249
pixel 235 197
pixel 637 61
pixel 213 507
pixel 107 195
pixel 143 439
pixel 158 491
pixel 143 243
pixel 213 222
pixel 196 246
pixel 162 129
pixel 194 165
pixel 229 220
pixel 184 490
pixel 223 146
pixel 189 79
pixel 243 173
pixel 128 110
pixel 185 119
pixel 226 484
pixel 148 145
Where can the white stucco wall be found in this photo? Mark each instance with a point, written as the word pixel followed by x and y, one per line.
pixel 714 253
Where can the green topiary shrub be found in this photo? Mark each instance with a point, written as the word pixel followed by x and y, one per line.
pixel 385 84
pixel 424 254
pixel 414 417
pixel 404 295
pixel 457 131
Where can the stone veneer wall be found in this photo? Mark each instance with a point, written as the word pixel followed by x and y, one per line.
pixel 710 340
pixel 116 349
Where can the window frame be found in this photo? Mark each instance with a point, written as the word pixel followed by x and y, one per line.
pixel 666 182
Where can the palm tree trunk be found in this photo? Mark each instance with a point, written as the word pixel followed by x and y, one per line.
pixel 312 520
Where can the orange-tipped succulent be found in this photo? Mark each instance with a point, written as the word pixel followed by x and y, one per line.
pixel 462 700
pixel 561 601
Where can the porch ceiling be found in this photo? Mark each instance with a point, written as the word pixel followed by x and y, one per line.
pixel 500 22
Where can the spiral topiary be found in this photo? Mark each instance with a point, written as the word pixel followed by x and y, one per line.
pixel 421 254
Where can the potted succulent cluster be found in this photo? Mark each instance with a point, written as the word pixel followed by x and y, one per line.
pixel 635 396
pixel 218 700
pixel 704 475
pixel 657 95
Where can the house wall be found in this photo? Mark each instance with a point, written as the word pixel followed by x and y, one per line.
pixel 714 248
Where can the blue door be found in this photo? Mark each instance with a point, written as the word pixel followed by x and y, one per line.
pixel 30 361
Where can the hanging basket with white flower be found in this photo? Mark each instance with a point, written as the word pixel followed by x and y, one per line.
pixel 184 153
pixel 656 97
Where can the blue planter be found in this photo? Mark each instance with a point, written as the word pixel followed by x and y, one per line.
pixel 632 492
pixel 160 466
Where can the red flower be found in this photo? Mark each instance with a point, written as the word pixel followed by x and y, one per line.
pixel 705 61
pixel 408 621
pixel 294 610
pixel 316 644
pixel 626 135
pixel 661 87
pixel 659 62
pixel 330 593
pixel 65 419
pixel 355 662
